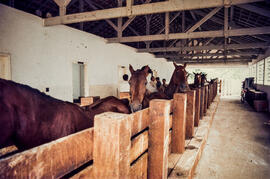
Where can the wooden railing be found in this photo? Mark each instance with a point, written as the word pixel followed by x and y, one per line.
pixel 120 145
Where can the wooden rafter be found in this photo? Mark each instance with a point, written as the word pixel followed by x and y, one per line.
pixel 151 8
pixel 209 47
pixel 252 53
pixel 203 34
pixel 204 19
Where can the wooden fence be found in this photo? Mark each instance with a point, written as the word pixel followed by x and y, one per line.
pixel 137 145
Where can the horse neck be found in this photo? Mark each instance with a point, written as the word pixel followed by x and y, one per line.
pixel 170 89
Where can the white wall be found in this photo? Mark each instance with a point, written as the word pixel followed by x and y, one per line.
pixel 42 56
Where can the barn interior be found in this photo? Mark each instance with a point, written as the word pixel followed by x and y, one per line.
pixel 70 49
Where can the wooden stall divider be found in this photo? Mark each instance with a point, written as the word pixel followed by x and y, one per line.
pixel 179 122
pixel 202 101
pixel 159 114
pixel 190 113
pixel 51 160
pixel 205 100
pixel 197 107
pixel 209 95
pixel 112 134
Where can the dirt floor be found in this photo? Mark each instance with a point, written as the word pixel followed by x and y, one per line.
pixel 238 145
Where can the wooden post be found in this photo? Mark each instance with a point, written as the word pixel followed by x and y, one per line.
pixel 202 101
pixel 197 107
pixel 112 133
pixel 190 114
pixel 209 95
pixel 159 115
pixel 179 122
pixel 220 84
pixel 205 99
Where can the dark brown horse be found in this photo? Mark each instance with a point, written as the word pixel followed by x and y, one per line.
pixel 29 118
pixel 197 80
pixel 108 104
pixel 203 79
pixel 178 82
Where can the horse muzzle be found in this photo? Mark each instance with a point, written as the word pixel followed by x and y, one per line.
pixel 135 107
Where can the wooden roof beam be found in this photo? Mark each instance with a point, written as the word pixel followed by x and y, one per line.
pixel 192 35
pixel 144 9
pixel 210 54
pixel 209 47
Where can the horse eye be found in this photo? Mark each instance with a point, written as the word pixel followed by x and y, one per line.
pixel 145 83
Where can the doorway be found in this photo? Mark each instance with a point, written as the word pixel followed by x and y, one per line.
pixel 5 66
pixel 78 80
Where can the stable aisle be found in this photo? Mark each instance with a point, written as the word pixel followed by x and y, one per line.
pixel 238 145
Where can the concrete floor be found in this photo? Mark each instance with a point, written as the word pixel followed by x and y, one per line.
pixel 238 145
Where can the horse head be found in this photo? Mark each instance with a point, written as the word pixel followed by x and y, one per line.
pixel 180 77
pixel 138 84
pixel 197 79
pixel 203 79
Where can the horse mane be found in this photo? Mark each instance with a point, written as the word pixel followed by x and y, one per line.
pixel 28 88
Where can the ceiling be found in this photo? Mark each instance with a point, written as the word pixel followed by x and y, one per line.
pixel 201 49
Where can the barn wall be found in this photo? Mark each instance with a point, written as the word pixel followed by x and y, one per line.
pixel 42 56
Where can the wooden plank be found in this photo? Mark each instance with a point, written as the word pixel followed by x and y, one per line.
pixel 190 114
pixel 88 100
pixel 205 100
pixel 179 122
pixel 112 145
pixel 51 160
pixel 197 107
pixel 167 23
pixel 7 150
pixel 139 169
pixel 144 9
pixel 158 138
pixel 202 101
pixel 140 121
pixel 84 174
pixel 138 145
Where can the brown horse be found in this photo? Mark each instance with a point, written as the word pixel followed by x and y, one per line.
pixel 108 104
pixel 30 118
pixel 138 82
pixel 178 82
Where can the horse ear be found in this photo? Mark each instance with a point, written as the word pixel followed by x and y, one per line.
pixel 131 69
pixel 146 69
pixel 194 73
pixel 201 73
pixel 185 64
pixel 175 65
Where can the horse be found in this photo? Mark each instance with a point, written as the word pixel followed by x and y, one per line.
pixel 138 82
pixel 178 82
pixel 197 81
pixel 203 79
pixel 138 98
pixel 108 104
pixel 30 118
